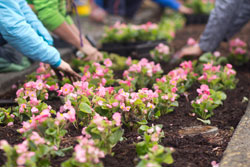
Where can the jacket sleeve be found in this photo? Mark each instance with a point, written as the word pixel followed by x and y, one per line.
pixel 52 13
pixel 18 33
pixel 35 23
pixel 169 3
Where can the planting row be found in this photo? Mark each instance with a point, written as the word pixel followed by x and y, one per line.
pixel 102 106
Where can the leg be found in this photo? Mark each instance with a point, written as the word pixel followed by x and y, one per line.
pixel 219 24
pixel 10 54
pixel 243 16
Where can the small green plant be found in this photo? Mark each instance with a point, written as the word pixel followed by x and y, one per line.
pixel 160 53
pixel 149 150
pixel 207 101
pixel 238 52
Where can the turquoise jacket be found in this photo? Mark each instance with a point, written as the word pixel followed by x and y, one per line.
pixel 20 27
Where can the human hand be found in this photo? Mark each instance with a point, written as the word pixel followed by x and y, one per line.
pixel 66 68
pixel 92 53
pixel 185 10
pixel 194 50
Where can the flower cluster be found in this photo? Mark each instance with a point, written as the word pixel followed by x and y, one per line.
pixel 143 73
pixel 207 101
pixel 33 151
pixel 6 117
pixel 125 33
pixel 86 154
pixel 47 75
pixel 201 6
pixel 149 149
pixel 96 74
pixel 238 52
pixel 160 53
pixel 104 132
pixel 218 77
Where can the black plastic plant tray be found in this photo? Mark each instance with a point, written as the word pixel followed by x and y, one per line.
pixel 133 49
pixel 196 19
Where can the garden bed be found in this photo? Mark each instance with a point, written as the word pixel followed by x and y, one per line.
pixel 195 151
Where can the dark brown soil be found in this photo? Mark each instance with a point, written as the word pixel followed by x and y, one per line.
pixel 197 151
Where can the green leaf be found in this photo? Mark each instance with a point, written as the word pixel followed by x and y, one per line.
pixel 84 107
pixel 204 121
pixel 143 122
pixel 168 159
pixel 116 136
pixel 141 148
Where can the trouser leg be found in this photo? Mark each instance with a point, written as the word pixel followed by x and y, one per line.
pixel 219 24
pixel 10 54
pixel 243 16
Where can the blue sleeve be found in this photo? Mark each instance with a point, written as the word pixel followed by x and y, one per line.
pixel 169 3
pixel 99 3
pixel 18 32
pixel 36 24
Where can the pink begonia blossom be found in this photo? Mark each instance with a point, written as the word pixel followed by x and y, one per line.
pixel 67 89
pixel 107 62
pixel 24 157
pixel 34 110
pixel 70 115
pixel 101 91
pixel 36 138
pixel 3 143
pixel 22 107
pixel 155 148
pixel 22 147
pixel 117 117
pixel 191 41
pixel 215 164
pixel 229 66
pixel 129 61
pixel 109 106
pixel 217 54
pixel 115 104
pixel 10 124
pixel 204 89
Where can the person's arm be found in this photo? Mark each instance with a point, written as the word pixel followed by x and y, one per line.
pixel 18 33
pixel 50 14
pixel 169 3
pixel 32 19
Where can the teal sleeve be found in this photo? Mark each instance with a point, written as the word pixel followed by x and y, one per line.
pixel 16 30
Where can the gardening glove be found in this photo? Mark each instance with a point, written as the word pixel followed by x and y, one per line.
pixel 92 54
pixel 66 68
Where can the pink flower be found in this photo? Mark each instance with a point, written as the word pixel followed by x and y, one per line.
pixel 204 89
pixel 115 104
pixel 217 54
pixel 191 41
pixel 70 115
pixel 129 61
pixel 10 124
pixel 34 110
pixel 117 117
pixel 36 138
pixel 22 107
pixel 67 89
pixel 3 143
pixel 107 62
